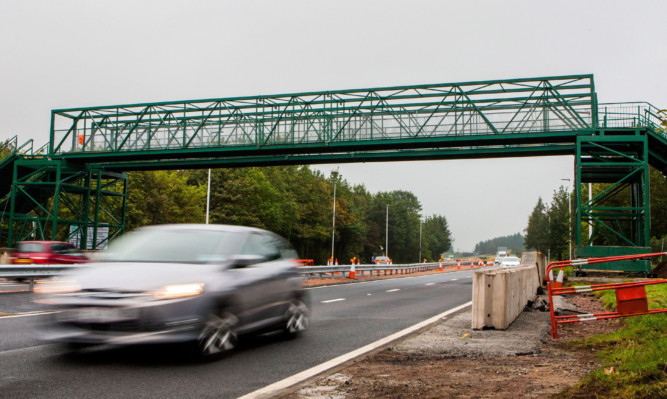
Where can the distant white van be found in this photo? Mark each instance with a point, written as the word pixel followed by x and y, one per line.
pixel 499 257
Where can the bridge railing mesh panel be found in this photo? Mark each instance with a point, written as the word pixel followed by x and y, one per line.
pixel 633 114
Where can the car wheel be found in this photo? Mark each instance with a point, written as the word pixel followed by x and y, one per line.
pixel 297 318
pixel 218 335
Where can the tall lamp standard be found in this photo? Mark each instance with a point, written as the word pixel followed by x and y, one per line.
pixel 333 223
pixel 569 218
pixel 386 235
pixel 208 194
pixel 420 241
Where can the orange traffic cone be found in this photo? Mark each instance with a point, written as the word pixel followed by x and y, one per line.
pixel 351 275
pixel 439 266
pixel 559 279
pixel 458 266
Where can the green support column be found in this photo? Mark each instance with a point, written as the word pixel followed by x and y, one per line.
pixel 86 209
pixel 56 202
pixel 12 207
pixel 98 196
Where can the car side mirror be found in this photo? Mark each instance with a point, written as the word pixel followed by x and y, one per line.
pixel 241 261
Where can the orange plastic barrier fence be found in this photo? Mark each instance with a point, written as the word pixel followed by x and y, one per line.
pixel 630 297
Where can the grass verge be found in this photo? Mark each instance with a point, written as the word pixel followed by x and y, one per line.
pixel 634 358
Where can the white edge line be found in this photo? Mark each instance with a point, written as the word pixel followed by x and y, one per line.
pixel 393 290
pixel 270 390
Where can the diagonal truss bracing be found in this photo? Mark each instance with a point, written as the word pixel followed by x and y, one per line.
pixel 390 114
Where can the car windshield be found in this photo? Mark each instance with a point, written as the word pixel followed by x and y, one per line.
pixel 511 259
pixel 173 246
pixel 26 247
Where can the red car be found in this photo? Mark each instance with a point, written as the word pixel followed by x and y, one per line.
pixel 47 252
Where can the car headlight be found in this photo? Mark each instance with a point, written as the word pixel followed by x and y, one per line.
pixel 174 291
pixel 57 286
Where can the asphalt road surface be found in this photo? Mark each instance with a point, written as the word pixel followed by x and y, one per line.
pixel 345 317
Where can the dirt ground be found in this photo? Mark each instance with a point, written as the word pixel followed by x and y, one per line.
pixel 450 360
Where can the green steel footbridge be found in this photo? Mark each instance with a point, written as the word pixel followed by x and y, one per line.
pixel 75 186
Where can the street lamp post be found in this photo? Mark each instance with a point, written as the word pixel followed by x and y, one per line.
pixel 333 223
pixel 208 194
pixel 569 218
pixel 386 234
pixel 590 221
pixel 420 241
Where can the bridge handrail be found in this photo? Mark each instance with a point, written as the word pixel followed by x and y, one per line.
pixel 633 114
pixel 27 148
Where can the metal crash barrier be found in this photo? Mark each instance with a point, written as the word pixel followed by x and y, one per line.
pixel 33 272
pixel 630 296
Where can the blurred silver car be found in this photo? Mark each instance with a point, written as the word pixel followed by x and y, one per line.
pixel 203 284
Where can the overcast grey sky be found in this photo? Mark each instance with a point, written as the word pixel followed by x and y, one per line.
pixel 61 54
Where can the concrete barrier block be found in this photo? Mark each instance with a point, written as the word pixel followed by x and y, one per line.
pixel 500 295
pixel 538 259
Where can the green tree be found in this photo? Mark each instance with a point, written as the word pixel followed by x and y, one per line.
pixel 658 191
pixel 311 230
pixel 6 148
pixel 252 197
pixel 295 202
pixel 559 227
pixel 436 237
pixel 537 231
pixel 403 226
pixel 159 197
pixel 513 242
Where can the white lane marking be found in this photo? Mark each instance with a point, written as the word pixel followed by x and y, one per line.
pixel 273 389
pixel 429 283
pixel 333 300
pixel 394 290
pixel 29 347
pixel 454 279
pixel 28 314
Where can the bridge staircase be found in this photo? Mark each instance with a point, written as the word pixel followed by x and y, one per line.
pixel 46 199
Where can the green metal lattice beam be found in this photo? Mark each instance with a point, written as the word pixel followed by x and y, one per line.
pixel 528 111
